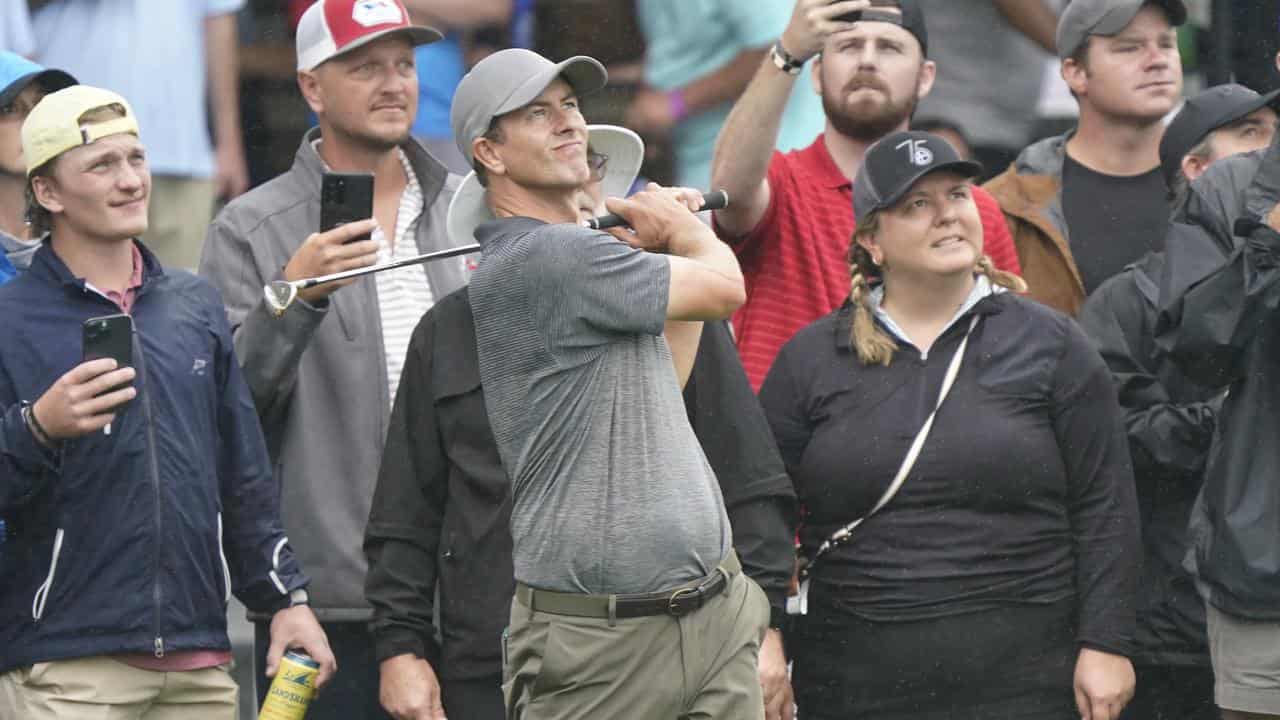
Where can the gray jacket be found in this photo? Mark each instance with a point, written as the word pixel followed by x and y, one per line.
pixel 318 374
pixel 19 252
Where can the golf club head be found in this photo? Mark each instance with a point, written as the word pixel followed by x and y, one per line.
pixel 280 295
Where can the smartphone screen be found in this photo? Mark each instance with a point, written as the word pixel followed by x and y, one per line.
pixel 109 337
pixel 344 198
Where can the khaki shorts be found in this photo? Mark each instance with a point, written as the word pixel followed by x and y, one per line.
pixel 1246 663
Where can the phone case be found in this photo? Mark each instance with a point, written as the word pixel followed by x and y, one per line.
pixel 109 337
pixel 344 198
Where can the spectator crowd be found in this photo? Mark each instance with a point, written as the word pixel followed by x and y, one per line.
pixel 943 416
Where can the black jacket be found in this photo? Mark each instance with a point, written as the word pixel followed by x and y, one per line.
pixel 1223 330
pixel 1023 492
pixel 443 504
pixel 1170 423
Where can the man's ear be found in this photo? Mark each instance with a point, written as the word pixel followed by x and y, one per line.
pixel 928 74
pixel 485 151
pixel 1076 76
pixel 309 86
pixel 1193 166
pixel 46 192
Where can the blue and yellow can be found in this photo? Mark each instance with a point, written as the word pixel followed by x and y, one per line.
pixel 292 689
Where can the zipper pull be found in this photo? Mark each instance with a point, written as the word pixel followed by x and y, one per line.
pixel 159 646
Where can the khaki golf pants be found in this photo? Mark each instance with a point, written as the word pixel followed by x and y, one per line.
pixel 702 665
pixel 100 688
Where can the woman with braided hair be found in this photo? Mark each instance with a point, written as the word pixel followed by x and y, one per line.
pixel 970 519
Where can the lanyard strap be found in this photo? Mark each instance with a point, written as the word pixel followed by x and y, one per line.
pixel 840 536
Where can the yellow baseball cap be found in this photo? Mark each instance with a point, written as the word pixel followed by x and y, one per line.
pixel 53 127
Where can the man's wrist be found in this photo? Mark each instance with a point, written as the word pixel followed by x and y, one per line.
pixel 34 427
pixel 788 50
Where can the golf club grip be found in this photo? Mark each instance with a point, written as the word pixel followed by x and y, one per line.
pixel 714 200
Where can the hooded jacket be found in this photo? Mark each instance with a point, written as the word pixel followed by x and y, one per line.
pixel 1030 195
pixel 132 542
pixel 1223 331
pixel 318 373
pixel 16 252
pixel 1170 423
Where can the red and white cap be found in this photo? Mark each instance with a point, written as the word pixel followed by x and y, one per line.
pixel 330 28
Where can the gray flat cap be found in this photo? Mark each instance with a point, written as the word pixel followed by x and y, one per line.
pixel 508 80
pixel 1083 18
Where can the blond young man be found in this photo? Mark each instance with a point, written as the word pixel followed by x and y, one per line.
pixel 138 498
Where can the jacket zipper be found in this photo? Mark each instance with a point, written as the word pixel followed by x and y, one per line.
pixel 155 486
pixel 46 587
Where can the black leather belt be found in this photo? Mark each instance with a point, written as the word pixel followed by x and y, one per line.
pixel 676 602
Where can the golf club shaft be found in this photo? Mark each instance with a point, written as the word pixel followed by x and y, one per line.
pixel 714 200
pixel 416 260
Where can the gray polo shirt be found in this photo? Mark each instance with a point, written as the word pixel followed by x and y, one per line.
pixel 611 492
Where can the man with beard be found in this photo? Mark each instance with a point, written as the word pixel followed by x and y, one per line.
pixel 790 223
pixel 1084 205
pixel 22 84
pixel 324 372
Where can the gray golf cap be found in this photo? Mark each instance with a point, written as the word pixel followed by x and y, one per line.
pixel 508 80
pixel 1083 18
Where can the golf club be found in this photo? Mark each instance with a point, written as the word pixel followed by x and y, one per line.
pixel 714 200
pixel 280 294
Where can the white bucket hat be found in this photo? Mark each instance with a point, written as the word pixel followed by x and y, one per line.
pixel 469 208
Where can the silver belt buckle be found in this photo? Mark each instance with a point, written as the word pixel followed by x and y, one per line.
pixel 674 607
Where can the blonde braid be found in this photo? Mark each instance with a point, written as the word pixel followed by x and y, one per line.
pixel 872 344
pixel 1003 278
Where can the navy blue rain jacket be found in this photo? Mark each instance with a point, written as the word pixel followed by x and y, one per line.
pixel 116 542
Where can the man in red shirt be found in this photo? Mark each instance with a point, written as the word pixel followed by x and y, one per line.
pixel 792 216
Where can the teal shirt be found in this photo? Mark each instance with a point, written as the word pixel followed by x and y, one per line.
pixel 689 39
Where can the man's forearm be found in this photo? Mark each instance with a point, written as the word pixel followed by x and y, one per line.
pixel 727 83
pixel 745 147
pixel 1033 19
pixel 221 49
pixel 459 14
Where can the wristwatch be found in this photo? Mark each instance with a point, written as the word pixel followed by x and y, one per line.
pixel 299 597
pixel 784 60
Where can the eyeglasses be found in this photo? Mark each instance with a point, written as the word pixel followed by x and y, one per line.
pixel 597 162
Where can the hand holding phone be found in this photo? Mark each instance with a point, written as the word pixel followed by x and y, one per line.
pixel 813 21
pixel 82 401
pixel 343 243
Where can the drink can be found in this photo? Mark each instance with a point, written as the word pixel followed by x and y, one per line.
pixel 292 689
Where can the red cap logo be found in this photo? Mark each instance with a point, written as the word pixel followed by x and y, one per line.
pixel 365 16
